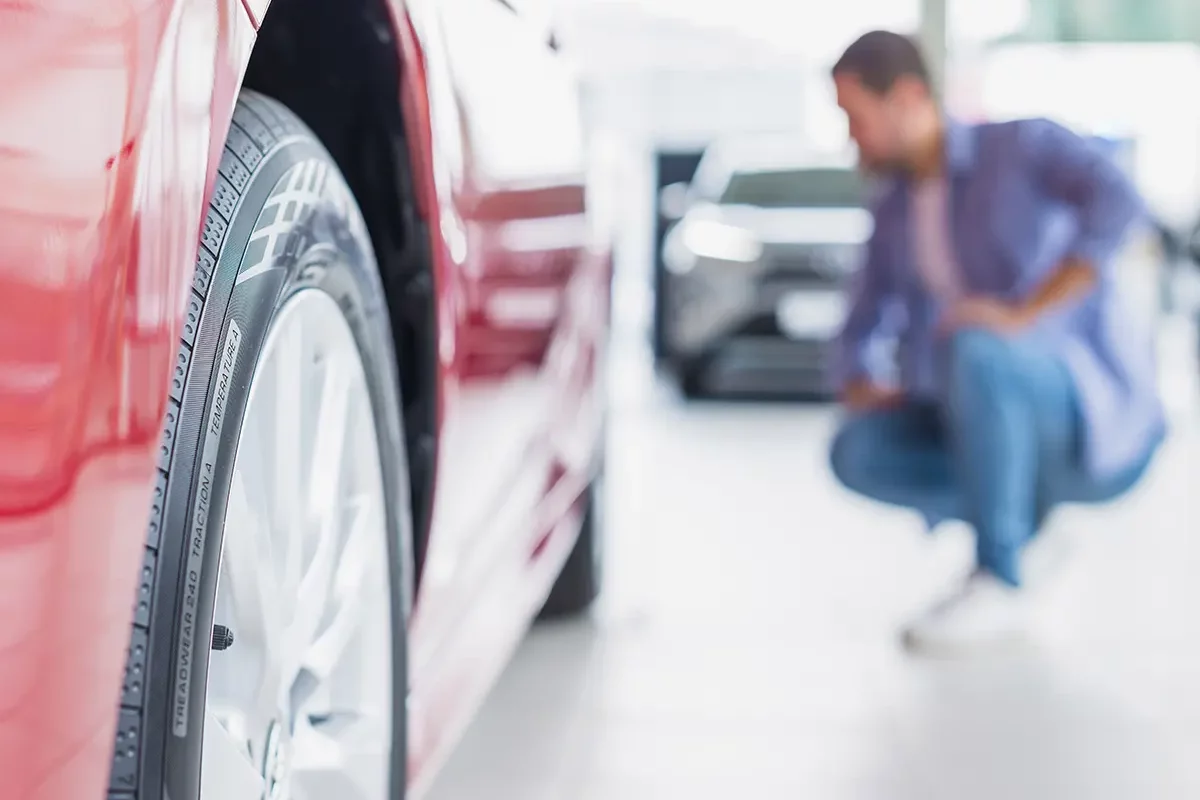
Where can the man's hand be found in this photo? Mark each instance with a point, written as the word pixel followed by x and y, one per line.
pixel 863 395
pixel 984 312
pixel 1074 279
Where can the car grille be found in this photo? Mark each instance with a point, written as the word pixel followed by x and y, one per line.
pixel 814 265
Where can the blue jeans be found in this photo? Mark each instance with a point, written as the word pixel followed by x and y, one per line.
pixel 999 454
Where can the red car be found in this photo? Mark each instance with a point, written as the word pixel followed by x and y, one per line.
pixel 303 312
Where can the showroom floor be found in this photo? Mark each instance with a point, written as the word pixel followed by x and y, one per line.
pixel 745 646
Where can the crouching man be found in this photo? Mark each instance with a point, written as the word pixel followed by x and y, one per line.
pixel 1023 380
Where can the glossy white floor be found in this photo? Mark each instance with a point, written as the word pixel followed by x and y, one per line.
pixel 746 643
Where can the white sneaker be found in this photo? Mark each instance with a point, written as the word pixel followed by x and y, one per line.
pixel 984 614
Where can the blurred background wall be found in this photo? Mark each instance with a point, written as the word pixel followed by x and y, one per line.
pixel 671 76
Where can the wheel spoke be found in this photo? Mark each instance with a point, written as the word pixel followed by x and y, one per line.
pixel 228 773
pixel 311 603
pixel 287 487
pixel 327 516
pixel 325 478
pixel 350 593
pixel 253 591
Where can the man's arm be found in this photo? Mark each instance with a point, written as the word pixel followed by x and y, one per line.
pixel 870 297
pixel 1076 171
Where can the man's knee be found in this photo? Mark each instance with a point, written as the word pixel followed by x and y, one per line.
pixel 980 356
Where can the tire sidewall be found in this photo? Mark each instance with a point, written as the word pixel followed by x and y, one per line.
pixel 293 232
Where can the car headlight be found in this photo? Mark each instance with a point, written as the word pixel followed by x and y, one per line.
pixel 719 240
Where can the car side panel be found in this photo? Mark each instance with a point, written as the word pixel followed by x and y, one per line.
pixel 105 141
pixel 515 168
pixel 522 266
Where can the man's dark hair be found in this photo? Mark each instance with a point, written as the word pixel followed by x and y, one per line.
pixel 880 58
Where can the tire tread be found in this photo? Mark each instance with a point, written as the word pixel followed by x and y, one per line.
pixel 249 142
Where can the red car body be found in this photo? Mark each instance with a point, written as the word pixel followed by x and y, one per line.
pixel 112 118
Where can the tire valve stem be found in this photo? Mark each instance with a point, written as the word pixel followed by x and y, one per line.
pixel 222 638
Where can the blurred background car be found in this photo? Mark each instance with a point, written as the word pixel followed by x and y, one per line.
pixel 754 268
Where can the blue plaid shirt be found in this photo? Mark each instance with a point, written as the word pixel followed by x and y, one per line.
pixel 1023 195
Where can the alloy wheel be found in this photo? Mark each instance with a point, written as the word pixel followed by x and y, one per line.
pixel 299 700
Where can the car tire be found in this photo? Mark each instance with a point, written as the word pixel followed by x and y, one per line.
pixel 580 581
pixel 281 230
pixel 691 375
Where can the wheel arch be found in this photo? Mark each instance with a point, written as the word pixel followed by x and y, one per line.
pixel 339 66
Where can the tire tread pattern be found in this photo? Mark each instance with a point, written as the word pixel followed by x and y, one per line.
pixel 259 126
